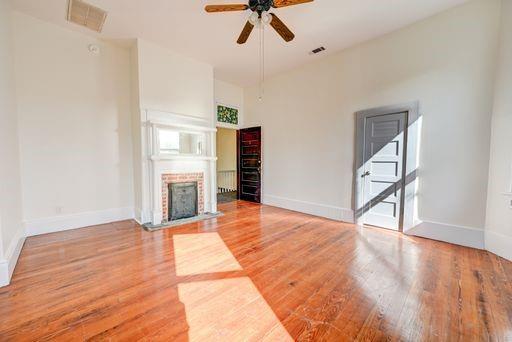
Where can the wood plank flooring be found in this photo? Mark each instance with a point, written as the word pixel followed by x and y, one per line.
pixel 256 273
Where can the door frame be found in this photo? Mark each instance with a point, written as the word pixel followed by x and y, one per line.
pixel 408 211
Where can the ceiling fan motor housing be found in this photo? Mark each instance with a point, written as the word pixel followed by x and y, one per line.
pixel 260 5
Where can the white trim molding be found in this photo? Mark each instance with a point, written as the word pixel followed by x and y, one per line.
pixel 169 117
pixel 156 164
pixel 321 210
pixel 12 254
pixel 459 235
pixel 74 221
pixel 498 244
pixel 182 158
pixel 140 217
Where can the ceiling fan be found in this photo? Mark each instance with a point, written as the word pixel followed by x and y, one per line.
pixel 260 9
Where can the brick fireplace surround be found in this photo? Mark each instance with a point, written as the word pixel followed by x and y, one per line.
pixel 171 178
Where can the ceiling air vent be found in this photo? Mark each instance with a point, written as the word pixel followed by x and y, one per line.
pixel 83 14
pixel 317 50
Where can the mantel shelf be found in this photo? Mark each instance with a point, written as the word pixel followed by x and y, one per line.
pixel 165 124
pixel 182 157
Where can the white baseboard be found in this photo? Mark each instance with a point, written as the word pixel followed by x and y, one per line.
pixel 12 254
pixel 142 216
pixel 322 210
pixel 137 215
pixel 499 244
pixel 73 221
pixel 459 235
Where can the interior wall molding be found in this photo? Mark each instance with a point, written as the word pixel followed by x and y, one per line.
pixel 498 244
pixel 458 235
pixel 12 254
pixel 322 210
pixel 74 221
pixel 139 216
pixel 174 119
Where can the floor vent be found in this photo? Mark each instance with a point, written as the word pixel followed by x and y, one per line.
pixel 83 14
pixel 317 50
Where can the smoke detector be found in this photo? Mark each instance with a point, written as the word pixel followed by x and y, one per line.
pixel 94 49
pixel 84 14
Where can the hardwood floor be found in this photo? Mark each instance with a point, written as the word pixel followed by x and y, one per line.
pixel 256 273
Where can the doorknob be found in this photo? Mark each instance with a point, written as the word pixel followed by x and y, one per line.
pixel 367 173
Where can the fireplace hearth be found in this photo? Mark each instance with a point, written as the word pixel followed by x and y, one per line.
pixel 183 200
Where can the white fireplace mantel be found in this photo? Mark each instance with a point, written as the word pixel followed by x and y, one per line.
pixel 157 164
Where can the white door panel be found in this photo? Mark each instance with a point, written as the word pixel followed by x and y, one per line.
pixel 383 169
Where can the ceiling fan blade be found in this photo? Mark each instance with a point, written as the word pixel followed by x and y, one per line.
pixel 245 33
pixel 225 8
pixel 281 28
pixel 284 3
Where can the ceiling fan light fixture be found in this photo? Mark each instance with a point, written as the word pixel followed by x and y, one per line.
pixel 254 18
pixel 266 18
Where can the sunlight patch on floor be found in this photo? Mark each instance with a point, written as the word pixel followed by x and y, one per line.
pixel 202 253
pixel 229 310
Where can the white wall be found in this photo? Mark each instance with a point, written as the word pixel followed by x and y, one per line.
pixel 11 227
pixel 173 83
pixel 498 235
pixel 230 95
pixel 446 62
pixel 176 90
pixel 74 127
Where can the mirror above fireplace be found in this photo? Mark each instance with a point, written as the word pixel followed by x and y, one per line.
pixel 175 142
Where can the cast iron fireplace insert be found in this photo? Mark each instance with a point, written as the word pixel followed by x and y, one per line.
pixel 182 200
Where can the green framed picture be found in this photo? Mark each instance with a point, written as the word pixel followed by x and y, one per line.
pixel 227 115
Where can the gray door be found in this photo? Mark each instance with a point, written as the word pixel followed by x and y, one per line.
pixel 383 168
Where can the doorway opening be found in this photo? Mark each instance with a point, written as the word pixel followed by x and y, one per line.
pixel 227 169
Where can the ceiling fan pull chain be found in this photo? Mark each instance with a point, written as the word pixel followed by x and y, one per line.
pixel 262 59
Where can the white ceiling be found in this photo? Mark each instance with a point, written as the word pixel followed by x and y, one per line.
pixel 184 26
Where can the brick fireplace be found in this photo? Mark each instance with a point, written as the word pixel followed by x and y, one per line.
pixel 171 178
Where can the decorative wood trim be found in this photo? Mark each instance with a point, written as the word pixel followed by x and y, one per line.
pixel 164 157
pixel 228 126
pixel 172 115
pixel 192 128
